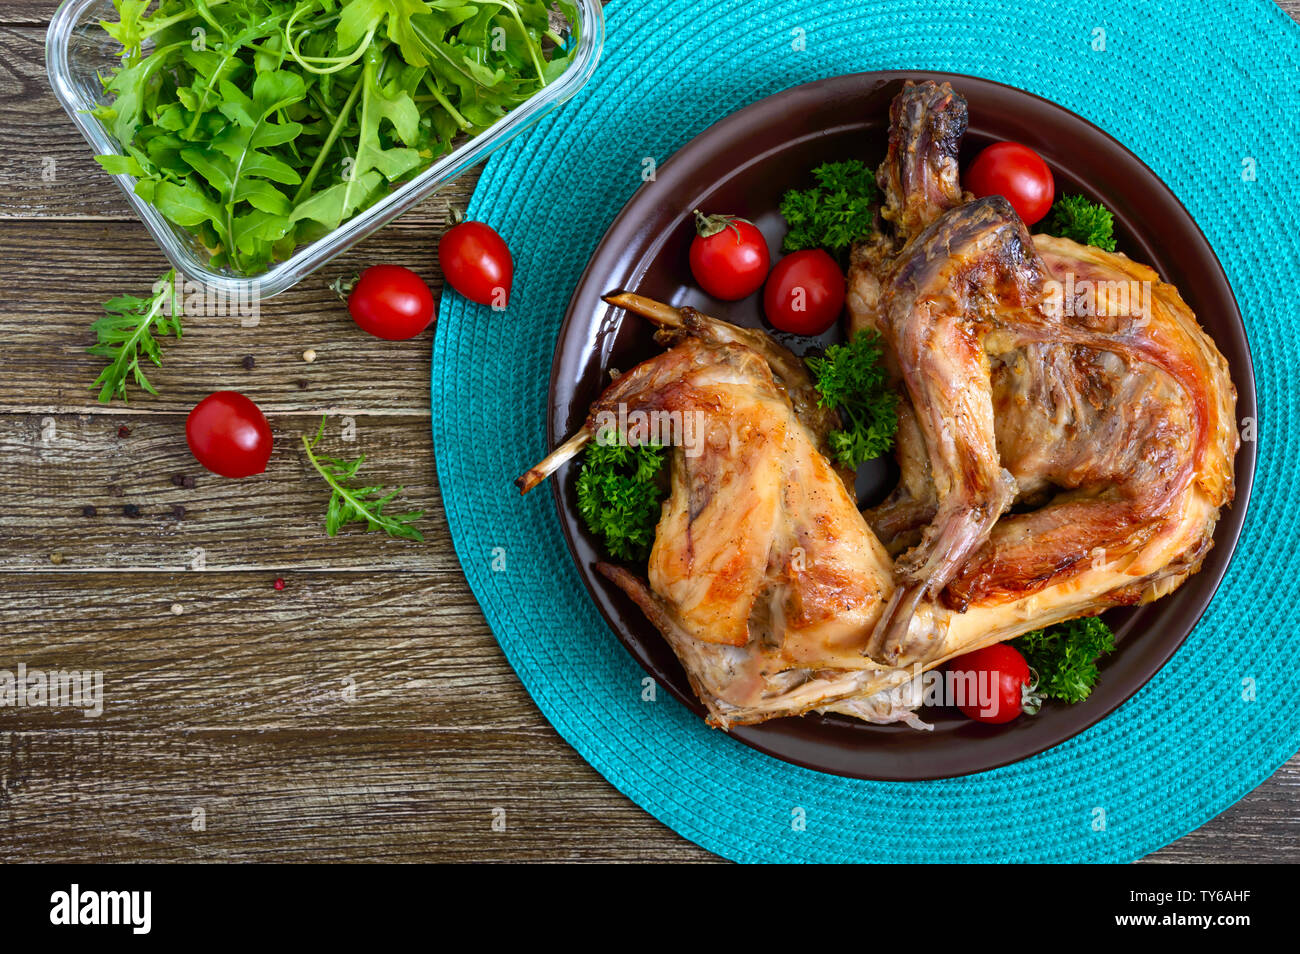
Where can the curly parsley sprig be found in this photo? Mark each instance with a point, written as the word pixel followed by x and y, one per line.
pixel 619 496
pixel 1065 656
pixel 358 504
pixel 836 212
pixel 1088 223
pixel 851 379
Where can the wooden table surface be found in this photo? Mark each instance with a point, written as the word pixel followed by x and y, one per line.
pixel 364 711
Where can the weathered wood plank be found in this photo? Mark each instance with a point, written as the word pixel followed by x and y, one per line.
pixel 315 796
pixel 58 274
pixel 46 169
pixel 45 166
pixel 58 465
pixel 329 650
pixel 27 12
pixel 378 796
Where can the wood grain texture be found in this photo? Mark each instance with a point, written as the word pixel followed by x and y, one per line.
pixel 27 12
pixel 364 712
pixel 66 463
pixel 288 795
pixel 198 650
pixel 58 274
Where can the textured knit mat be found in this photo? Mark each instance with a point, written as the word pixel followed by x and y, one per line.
pixel 1206 96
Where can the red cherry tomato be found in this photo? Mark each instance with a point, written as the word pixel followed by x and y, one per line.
pixel 804 293
pixel 1018 174
pixel 228 435
pixel 477 263
pixel 391 302
pixel 729 256
pixel 1002 684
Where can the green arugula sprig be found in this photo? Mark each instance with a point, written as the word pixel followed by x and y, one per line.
pixel 358 504
pixel 1088 223
pixel 851 379
pixel 125 333
pixel 261 125
pixel 619 496
pixel 836 212
pixel 1065 656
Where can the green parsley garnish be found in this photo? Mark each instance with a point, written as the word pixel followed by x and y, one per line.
pixel 1087 223
pixel 619 496
pixel 836 212
pixel 1065 656
pixel 851 380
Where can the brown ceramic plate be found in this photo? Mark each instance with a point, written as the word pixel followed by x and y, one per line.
pixel 742 165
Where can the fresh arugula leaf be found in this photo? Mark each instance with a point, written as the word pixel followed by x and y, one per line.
pixel 331 206
pixel 126 332
pixel 363 504
pixel 257 229
pixel 128 30
pixel 186 204
pixel 120 165
pixel 377 105
pixel 851 380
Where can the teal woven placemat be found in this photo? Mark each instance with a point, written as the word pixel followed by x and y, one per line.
pixel 1206 96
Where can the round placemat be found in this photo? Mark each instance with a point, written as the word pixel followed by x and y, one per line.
pixel 1210 107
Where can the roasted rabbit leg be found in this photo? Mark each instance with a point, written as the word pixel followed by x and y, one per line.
pixel 764 576
pixel 1111 409
pixel 942 293
pixel 919 178
pixel 919 181
pixel 1124 409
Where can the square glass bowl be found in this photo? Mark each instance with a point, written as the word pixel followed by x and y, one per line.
pixel 78 51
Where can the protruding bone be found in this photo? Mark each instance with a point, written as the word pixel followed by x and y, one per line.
pixel 553 461
pixel 666 316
